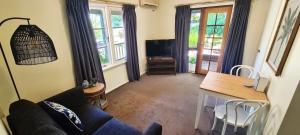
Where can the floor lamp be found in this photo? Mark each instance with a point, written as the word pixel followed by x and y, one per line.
pixel 30 46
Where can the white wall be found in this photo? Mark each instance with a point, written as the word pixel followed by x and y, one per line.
pixel 290 124
pixel 268 32
pixel 257 18
pixel 41 81
pixel 282 88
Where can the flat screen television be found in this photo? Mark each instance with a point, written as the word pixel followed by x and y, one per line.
pixel 163 47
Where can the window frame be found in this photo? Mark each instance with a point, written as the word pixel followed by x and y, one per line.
pixel 107 15
pixel 114 8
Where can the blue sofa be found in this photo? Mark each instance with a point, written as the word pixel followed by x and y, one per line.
pixel 28 118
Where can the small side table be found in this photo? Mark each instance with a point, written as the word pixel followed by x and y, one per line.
pixel 96 95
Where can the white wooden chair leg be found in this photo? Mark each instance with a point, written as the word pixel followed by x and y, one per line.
pixel 235 129
pixel 214 125
pixel 224 128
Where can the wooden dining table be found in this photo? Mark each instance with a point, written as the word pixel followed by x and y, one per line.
pixel 226 87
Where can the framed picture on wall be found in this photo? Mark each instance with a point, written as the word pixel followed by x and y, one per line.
pixel 284 37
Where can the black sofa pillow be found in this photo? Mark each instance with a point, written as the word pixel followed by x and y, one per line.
pixel 65 117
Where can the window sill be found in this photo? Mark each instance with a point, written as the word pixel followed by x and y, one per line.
pixel 110 66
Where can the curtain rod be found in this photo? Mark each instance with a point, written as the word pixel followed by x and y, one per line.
pixel 112 2
pixel 204 3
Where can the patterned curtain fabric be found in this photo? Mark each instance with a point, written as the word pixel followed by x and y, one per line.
pixel 85 55
pixel 182 30
pixel 132 64
pixel 234 50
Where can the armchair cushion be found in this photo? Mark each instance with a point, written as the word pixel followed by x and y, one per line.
pixel 25 116
pixel 153 129
pixel 116 127
pixel 91 117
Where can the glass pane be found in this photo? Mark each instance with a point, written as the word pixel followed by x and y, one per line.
pixel 116 19
pixel 211 19
pixel 217 43
pixel 206 54
pixel 104 55
pixel 117 27
pixel 96 17
pixel 215 55
pixel 120 51
pixel 219 31
pixel 100 36
pixel 209 31
pixel 192 60
pixel 194 28
pixel 118 35
pixel 221 18
pixel 208 43
pixel 205 65
pixel 213 66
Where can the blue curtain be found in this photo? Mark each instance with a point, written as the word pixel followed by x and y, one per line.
pixel 234 50
pixel 85 55
pixel 182 30
pixel 132 64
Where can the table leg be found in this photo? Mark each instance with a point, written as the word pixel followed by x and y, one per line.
pixel 199 109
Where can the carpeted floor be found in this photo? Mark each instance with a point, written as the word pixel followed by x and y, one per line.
pixel 167 99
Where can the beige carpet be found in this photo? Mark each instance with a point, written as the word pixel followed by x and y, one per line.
pixel 166 99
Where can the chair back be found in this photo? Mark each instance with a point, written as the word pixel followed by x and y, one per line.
pixel 235 70
pixel 255 115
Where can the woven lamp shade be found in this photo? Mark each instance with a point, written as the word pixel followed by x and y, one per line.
pixel 30 46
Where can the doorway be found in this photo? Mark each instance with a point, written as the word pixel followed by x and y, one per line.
pixel 212 36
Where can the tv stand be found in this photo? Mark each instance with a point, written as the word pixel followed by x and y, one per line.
pixel 161 65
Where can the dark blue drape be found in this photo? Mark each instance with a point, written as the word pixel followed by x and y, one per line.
pixel 234 51
pixel 85 55
pixel 132 64
pixel 182 29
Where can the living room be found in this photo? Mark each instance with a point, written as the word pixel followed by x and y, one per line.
pixel 169 100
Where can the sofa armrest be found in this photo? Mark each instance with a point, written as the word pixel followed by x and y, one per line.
pixel 72 98
pixel 153 129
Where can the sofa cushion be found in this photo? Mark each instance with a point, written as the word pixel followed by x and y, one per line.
pixel 27 117
pixel 116 127
pixel 92 118
pixel 67 119
pixel 48 130
pixel 72 98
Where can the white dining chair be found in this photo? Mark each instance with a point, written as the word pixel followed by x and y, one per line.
pixel 234 113
pixel 235 70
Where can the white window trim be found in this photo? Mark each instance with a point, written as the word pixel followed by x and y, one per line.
pixel 107 8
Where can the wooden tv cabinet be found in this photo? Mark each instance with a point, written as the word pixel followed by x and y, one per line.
pixel 161 65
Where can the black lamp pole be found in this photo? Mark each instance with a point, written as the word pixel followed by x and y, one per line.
pixel 2 51
pixel 10 74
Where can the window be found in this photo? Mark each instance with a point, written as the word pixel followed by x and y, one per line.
pixel 107 22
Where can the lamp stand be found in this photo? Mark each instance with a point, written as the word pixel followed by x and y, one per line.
pixel 9 71
pixel 2 51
